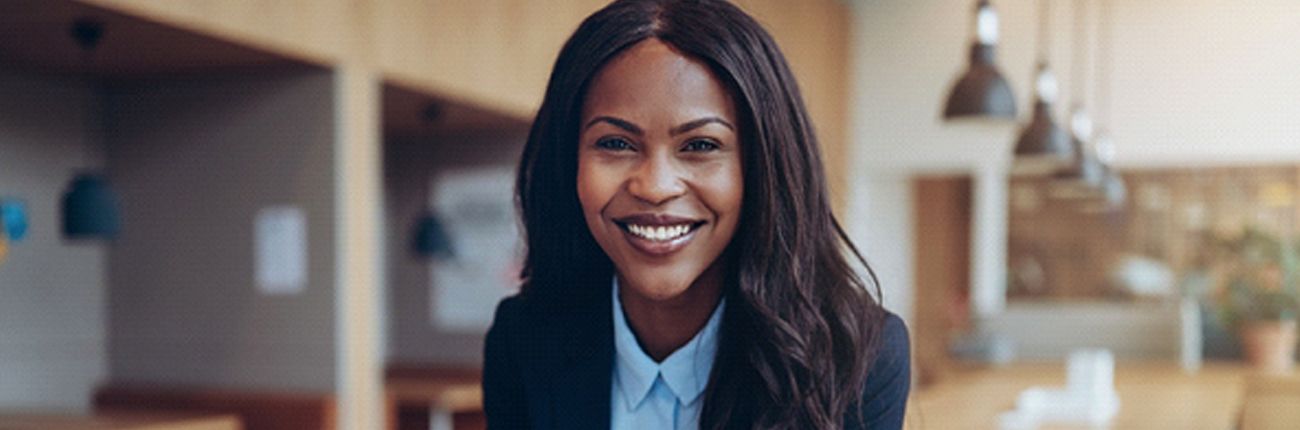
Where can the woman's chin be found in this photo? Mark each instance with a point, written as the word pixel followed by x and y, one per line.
pixel 653 288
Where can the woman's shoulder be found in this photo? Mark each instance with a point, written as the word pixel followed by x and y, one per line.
pixel 893 338
pixel 517 330
pixel 515 313
pixel 530 322
pixel 893 354
pixel 884 398
pixel 892 357
pixel 532 308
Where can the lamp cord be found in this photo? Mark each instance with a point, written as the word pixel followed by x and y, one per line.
pixel 1079 45
pixel 1104 60
pixel 87 33
pixel 1044 36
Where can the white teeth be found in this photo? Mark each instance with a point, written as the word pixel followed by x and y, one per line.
pixel 659 233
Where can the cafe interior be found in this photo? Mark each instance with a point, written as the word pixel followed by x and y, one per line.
pixel 225 214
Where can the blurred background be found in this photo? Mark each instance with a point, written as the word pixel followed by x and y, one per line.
pixel 290 214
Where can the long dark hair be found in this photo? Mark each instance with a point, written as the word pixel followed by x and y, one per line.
pixel 802 328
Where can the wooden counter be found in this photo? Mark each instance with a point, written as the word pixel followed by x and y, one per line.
pixel 1154 395
pixel 451 397
pixel 440 400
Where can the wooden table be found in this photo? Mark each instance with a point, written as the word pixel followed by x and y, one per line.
pixel 1156 395
pixel 119 421
pixel 443 398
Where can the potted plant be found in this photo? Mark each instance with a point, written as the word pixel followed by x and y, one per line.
pixel 1257 293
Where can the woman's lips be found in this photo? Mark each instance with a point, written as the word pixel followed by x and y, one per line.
pixel 658 235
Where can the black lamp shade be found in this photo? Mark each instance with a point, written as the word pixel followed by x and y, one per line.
pixel 1081 179
pixel 1111 196
pixel 90 209
pixel 981 92
pixel 1113 190
pixel 431 238
pixel 1043 147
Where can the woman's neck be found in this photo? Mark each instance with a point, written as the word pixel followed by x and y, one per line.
pixel 663 326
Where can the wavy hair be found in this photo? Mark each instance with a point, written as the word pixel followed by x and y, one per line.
pixel 801 328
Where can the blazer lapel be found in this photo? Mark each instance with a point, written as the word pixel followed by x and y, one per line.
pixel 582 385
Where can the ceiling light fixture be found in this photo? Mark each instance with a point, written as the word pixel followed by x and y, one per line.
pixel 1084 176
pixel 1114 191
pixel 1043 147
pixel 89 205
pixel 981 92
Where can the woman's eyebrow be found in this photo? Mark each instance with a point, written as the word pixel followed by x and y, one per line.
pixel 700 123
pixel 683 128
pixel 623 124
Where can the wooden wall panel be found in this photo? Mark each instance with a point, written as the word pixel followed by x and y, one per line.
pixel 494 52
pixel 814 36
pixel 310 30
pixel 497 54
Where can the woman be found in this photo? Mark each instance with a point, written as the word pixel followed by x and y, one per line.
pixel 684 269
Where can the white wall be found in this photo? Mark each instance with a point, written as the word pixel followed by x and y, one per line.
pixel 52 292
pixel 1199 82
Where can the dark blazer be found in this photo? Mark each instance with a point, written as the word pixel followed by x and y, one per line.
pixel 551 369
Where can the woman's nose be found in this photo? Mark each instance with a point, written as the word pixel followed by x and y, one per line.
pixel 657 180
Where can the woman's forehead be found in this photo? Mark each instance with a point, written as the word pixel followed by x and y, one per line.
pixel 653 81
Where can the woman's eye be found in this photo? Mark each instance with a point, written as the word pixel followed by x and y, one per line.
pixel 613 144
pixel 700 145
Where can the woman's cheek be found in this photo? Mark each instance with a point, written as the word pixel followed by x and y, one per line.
pixel 598 182
pixel 595 183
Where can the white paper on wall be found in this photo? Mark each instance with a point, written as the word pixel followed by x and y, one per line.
pixel 280 237
pixel 476 208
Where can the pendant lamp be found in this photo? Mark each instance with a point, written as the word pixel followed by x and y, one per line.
pixel 431 238
pixel 1114 192
pixel 1109 192
pixel 89 204
pixel 1083 177
pixel 982 92
pixel 90 208
pixel 1042 147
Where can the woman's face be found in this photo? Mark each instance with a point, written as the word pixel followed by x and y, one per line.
pixel 659 169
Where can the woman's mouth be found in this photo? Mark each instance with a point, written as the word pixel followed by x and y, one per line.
pixel 657 235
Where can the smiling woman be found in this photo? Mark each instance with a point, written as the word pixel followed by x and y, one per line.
pixel 659 179
pixel 684 269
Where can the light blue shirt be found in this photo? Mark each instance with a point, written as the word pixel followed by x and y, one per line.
pixel 666 395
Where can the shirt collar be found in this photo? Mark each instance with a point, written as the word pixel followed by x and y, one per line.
pixel 685 371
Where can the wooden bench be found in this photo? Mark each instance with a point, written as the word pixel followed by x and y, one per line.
pixel 257 410
pixel 119 420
